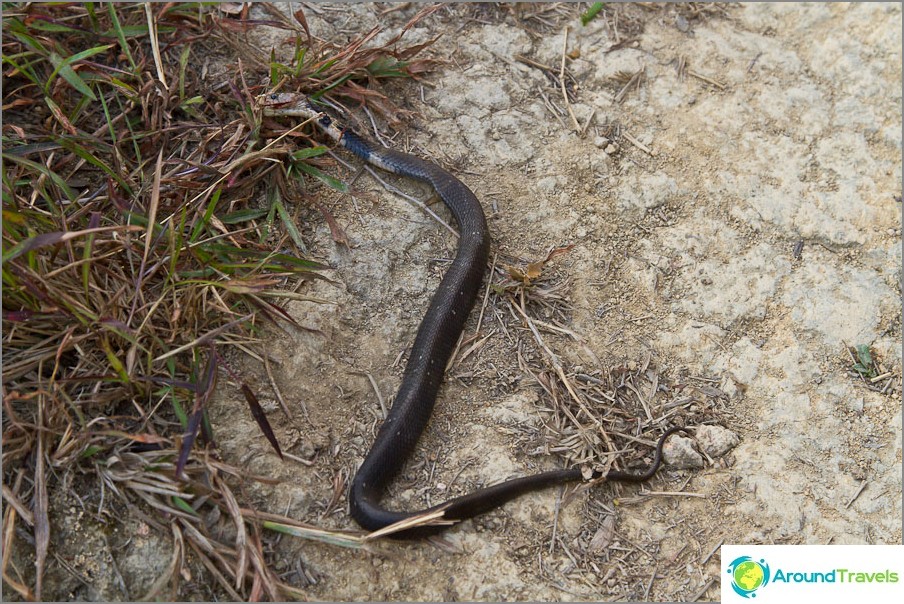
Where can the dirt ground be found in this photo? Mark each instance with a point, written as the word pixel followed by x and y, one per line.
pixel 735 223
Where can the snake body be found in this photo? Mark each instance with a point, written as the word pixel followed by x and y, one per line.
pixel 436 338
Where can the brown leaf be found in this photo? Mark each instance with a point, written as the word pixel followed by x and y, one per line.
pixel 337 232
pixel 257 412
pixel 603 536
pixel 534 270
pixel 60 117
pixel 558 251
pixel 516 273
pixel 299 16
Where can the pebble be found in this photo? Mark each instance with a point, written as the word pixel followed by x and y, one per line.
pixel 679 453
pixel 716 441
pixel 611 149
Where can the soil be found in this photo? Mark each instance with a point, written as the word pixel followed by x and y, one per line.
pixel 735 223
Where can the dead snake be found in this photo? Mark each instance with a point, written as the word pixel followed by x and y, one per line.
pixel 436 338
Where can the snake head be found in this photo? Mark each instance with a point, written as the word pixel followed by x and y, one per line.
pixel 277 104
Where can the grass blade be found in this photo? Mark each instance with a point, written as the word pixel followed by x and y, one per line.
pixel 121 36
pixel 63 67
pixel 330 181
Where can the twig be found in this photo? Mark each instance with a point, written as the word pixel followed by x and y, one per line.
pixel 555 520
pixel 637 143
pixel 703 591
pixel 753 61
pixel 711 81
pixel 373 384
pixel 630 83
pixel 856 495
pixel 577 127
pixel 712 551
pixel 423 206
pixel 537 64
pixel 486 294
pixel 646 591
pixel 279 397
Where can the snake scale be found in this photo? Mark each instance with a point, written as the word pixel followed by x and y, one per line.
pixel 436 338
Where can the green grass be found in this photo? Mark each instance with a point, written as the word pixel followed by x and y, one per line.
pixel 148 229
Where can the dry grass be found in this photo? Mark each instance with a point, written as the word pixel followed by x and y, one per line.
pixel 145 239
pixel 595 417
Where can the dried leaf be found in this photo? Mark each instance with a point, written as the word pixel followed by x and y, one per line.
pixel 603 536
pixel 337 232
pixel 257 412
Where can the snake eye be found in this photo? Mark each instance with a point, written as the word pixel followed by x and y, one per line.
pixel 274 96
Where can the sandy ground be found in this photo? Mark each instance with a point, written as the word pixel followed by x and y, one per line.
pixel 736 224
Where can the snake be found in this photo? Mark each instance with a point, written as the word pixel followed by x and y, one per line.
pixel 436 338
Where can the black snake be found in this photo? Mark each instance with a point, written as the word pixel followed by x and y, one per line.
pixel 436 338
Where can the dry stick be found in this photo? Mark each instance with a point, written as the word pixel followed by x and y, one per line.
pixel 473 347
pixel 856 495
pixel 646 592
pixel 486 293
pixel 577 127
pixel 703 591
pixel 373 384
pixel 553 109
pixel 631 82
pixel 149 237
pixel 753 61
pixel 673 494
pixel 555 520
pixel 572 335
pixel 702 77
pixel 637 143
pixel 712 551
pixel 589 121
pixel 641 399
pixel 393 189
pixel 279 397
pixel 20 508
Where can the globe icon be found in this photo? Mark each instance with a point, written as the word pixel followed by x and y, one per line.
pixel 748 575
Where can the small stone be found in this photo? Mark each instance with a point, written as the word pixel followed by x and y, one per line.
pixel 601 142
pixel 611 149
pixel 679 453
pixel 716 441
